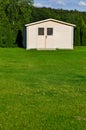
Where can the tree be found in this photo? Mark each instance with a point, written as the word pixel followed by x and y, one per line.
pixel 77 37
pixel 84 36
pixel 13 15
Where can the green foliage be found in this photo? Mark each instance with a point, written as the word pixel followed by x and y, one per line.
pixel 84 36
pixel 0 35
pixel 8 36
pixel 42 90
pixel 77 36
pixel 14 14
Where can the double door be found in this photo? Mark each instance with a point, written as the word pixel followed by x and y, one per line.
pixel 45 38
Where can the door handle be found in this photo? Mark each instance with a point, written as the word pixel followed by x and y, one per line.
pixel 46 36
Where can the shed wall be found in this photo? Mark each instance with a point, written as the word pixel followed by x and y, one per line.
pixel 62 37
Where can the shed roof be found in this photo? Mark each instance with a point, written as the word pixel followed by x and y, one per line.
pixel 50 19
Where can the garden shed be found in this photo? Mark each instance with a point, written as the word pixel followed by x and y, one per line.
pixel 49 34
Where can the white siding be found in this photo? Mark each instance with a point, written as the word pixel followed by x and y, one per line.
pixel 31 37
pixel 62 37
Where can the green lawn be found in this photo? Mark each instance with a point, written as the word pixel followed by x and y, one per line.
pixel 42 90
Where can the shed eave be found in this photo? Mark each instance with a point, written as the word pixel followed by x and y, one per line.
pixel 46 20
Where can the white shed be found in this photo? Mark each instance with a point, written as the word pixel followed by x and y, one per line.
pixel 49 34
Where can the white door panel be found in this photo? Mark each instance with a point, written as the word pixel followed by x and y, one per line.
pixel 45 38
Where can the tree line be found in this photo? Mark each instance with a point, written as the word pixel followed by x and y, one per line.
pixel 14 14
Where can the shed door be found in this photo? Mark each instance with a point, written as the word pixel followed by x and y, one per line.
pixel 41 38
pixel 45 38
pixel 49 38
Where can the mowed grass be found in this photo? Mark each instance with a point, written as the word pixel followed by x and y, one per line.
pixel 42 90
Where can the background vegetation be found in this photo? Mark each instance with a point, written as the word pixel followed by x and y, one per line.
pixel 14 14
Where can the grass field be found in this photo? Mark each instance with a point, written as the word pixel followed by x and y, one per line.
pixel 42 90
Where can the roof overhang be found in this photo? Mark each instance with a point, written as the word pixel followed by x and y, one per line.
pixel 46 20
